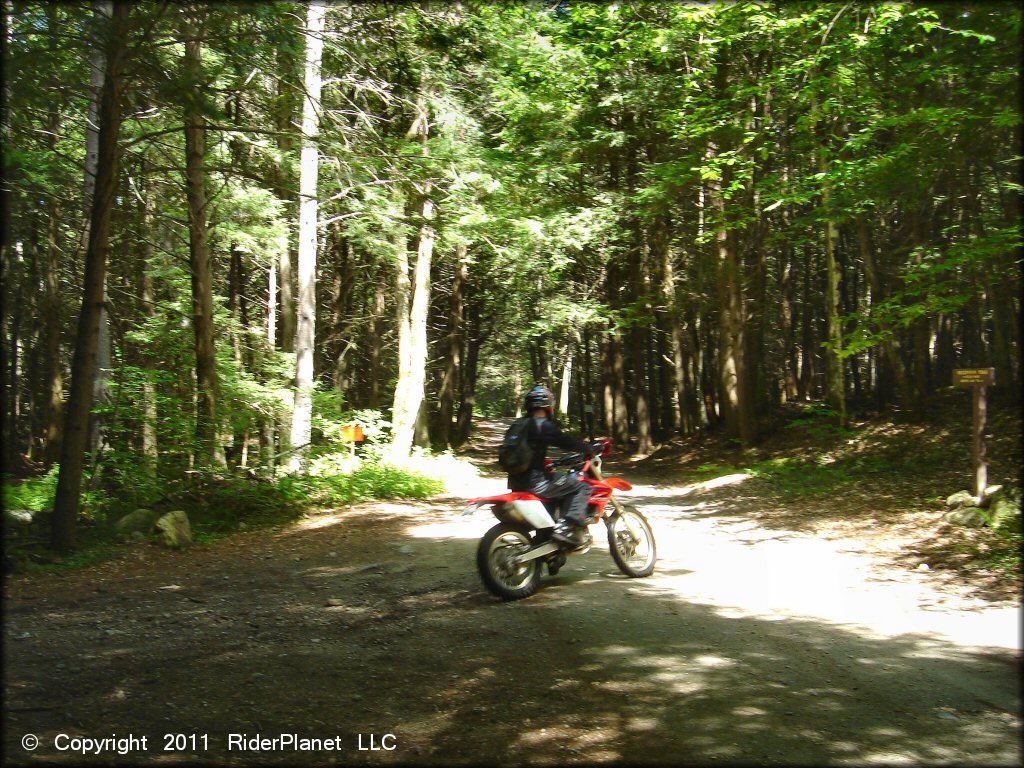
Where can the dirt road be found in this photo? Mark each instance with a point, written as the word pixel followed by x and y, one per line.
pixel 367 633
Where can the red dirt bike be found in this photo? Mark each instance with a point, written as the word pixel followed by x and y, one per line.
pixel 510 555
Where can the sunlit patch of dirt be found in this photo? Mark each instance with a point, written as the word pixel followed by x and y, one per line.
pixel 890 495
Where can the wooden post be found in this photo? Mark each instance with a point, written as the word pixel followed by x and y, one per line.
pixel 351 476
pixel 978 444
pixel 979 379
pixel 352 433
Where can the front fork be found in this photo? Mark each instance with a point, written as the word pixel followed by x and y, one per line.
pixel 595 470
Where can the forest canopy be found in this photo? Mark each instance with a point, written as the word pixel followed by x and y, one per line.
pixel 232 229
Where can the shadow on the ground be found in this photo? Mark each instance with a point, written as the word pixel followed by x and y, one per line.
pixel 593 668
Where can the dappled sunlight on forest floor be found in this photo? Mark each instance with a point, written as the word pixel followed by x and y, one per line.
pixel 373 619
pixel 772 631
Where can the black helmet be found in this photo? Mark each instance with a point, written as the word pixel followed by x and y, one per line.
pixel 540 397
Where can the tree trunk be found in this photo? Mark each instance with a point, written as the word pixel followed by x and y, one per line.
pixel 69 482
pixel 302 414
pixel 638 342
pixel 418 324
pixel 35 256
pixel 209 450
pixel 756 274
pixel 7 348
pixel 876 285
pixel 1001 304
pixel 787 294
pixel 638 282
pixel 589 401
pixel 669 365
pixel 563 393
pixel 284 182
pixel 14 374
pixel 617 381
pixel 101 391
pixel 454 343
pixel 464 421
pixel 735 404
pixel 334 354
pixel 271 317
pixel 517 392
pixel 376 338
pixel 413 358
pixel 53 384
pixel 807 336
pixel 711 396
pixel 835 386
pixel 150 448
pixel 234 292
pixel 686 347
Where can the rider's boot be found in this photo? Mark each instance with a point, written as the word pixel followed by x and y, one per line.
pixel 572 533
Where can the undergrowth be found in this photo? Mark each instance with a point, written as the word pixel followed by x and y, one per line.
pixel 217 504
pixel 794 478
pixel 1003 555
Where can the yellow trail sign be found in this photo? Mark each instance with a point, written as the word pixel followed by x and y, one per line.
pixel 974 377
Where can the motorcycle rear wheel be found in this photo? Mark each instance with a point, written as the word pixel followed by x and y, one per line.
pixel 631 542
pixel 503 578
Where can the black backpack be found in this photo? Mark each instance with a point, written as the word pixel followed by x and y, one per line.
pixel 515 453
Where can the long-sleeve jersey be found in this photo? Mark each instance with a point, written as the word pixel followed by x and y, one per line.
pixel 541 433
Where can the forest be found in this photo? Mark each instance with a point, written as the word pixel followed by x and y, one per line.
pixel 233 229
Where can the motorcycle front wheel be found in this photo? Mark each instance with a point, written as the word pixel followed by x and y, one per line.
pixel 494 556
pixel 631 541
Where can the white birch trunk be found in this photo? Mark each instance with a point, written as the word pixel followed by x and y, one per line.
pixel 272 302
pixel 412 336
pixel 563 395
pixel 412 321
pixel 419 312
pixel 149 404
pixel 302 414
pixel 103 10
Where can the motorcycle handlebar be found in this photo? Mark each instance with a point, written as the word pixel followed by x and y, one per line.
pixel 600 447
pixel 570 459
pixel 578 458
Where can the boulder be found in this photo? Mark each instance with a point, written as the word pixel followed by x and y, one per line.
pixel 972 517
pixel 1004 510
pixel 961 499
pixel 141 521
pixel 19 516
pixel 174 529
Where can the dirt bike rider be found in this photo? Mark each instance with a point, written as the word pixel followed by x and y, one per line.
pixel 574 494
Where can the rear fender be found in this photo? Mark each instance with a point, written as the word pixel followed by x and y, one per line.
pixel 493 501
